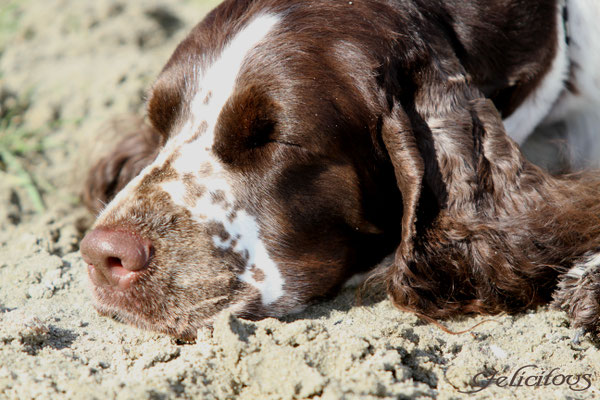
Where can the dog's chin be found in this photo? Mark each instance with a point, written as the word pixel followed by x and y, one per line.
pixel 185 331
pixel 118 306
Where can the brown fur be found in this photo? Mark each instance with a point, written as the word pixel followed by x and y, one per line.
pixel 363 138
pixel 501 243
pixel 138 146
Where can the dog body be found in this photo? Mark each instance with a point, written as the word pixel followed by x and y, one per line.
pixel 294 144
pixel 574 111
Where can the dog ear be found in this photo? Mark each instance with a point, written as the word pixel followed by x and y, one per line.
pixel 461 179
pixel 403 278
pixel 401 145
pixel 137 145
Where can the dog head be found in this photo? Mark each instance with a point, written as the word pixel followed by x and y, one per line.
pixel 270 187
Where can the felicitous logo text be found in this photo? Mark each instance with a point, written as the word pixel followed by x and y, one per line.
pixel 530 376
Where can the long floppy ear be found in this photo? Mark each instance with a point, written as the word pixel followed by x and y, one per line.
pixel 407 161
pixel 431 147
pixel 409 167
pixel 478 202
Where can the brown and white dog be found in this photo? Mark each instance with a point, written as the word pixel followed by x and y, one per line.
pixel 296 143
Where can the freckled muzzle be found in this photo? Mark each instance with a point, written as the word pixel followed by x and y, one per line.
pixel 153 266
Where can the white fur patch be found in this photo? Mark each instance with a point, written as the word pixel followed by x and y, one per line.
pixel 592 262
pixel 536 107
pixel 584 51
pixel 580 111
pixel 576 272
pixel 190 155
pixel 217 84
pixel 244 231
pixel 244 237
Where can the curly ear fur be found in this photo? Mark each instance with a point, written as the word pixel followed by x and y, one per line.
pixel 137 146
pixel 490 231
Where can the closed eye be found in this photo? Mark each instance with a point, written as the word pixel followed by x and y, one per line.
pixel 284 142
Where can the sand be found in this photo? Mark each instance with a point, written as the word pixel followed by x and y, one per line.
pixel 69 66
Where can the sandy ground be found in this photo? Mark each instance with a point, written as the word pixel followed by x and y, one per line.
pixel 67 67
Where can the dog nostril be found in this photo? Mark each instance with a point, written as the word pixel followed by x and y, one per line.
pixel 115 258
pixel 114 262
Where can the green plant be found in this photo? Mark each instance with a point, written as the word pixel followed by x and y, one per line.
pixel 9 21
pixel 16 142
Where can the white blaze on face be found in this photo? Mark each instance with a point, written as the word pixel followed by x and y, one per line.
pixel 189 155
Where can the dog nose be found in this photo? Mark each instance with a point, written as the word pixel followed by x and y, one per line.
pixel 115 258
